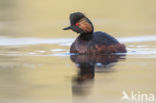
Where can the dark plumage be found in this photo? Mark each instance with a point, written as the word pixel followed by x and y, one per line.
pixel 90 42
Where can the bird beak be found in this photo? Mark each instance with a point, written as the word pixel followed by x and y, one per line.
pixel 67 28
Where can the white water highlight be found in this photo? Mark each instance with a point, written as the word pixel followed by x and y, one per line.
pixel 7 41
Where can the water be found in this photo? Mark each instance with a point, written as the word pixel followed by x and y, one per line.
pixel 36 66
pixel 43 70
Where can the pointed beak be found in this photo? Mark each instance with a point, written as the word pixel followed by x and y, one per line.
pixel 67 28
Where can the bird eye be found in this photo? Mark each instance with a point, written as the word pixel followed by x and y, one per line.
pixel 76 24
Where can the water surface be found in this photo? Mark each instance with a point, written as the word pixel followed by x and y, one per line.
pixel 43 70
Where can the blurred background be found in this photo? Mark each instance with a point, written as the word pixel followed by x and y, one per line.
pixel 35 63
pixel 46 18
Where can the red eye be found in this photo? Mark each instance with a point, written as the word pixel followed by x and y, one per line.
pixel 76 24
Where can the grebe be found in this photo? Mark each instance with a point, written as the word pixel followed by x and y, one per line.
pixel 90 42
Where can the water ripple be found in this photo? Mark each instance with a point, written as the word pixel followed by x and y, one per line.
pixel 6 41
pixel 16 46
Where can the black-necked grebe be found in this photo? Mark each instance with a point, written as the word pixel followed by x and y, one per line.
pixel 90 42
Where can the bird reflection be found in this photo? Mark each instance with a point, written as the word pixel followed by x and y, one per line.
pixel 82 83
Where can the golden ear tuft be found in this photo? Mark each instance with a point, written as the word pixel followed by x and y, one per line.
pixel 85 25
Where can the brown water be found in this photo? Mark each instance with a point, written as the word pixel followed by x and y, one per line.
pixel 36 66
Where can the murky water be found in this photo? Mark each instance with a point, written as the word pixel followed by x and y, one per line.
pixel 36 66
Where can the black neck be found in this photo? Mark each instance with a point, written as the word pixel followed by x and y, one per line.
pixel 85 36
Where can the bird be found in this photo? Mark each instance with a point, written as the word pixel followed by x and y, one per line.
pixel 90 42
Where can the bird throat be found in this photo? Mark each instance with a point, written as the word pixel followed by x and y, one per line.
pixel 86 36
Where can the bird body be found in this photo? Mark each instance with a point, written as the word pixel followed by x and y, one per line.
pixel 98 43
